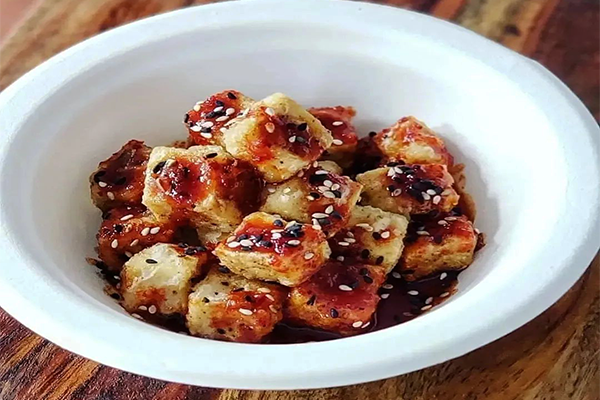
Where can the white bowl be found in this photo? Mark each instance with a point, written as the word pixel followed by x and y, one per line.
pixel 530 147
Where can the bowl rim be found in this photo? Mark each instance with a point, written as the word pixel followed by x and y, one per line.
pixel 362 365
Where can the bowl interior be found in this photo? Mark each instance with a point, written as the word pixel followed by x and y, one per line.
pixel 488 121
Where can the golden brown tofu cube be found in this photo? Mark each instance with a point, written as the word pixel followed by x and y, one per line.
pixel 372 236
pixel 268 248
pixel 339 122
pixel 409 189
pixel 230 307
pixel 202 184
pixel 437 245
pixel 128 230
pixel 158 280
pixel 119 180
pixel 278 137
pixel 341 297
pixel 317 196
pixel 205 120
pixel 411 141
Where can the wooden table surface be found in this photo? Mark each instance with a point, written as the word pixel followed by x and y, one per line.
pixel 555 356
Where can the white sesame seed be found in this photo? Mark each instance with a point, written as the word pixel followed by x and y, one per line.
pixel 385 234
pixel 138 316
pixel 366 324
pixel 431 192
pixel 129 254
pixel 206 135
pixel 287 190
pixel 245 311
pixel 276 235
pixel 217 109
pixel 270 111
pixel 385 295
pixel 244 112
pixel 102 184
pixel 321 172
pixel 114 244
pixel 391 172
pixel 310 198
pixel 233 244
pixel 207 124
pixel 246 243
pixel 270 127
pixel 263 290
pixel 293 242
pixel 155 230
pixel 329 210
pixel 270 297
pixel 308 256
pixel 357 324
pixel 344 244
pixel 337 123
pixel 366 227
pixel 222 118
pixel 335 186
pixel 413 292
pixel 152 309
pixel 451 218
pixel 315 164
pixel 350 234
pixel 300 174
pixel 320 215
pixel 407 314
pixel 143 308
pixel 290 224
pixel 425 196
pixel 340 258
pixel 292 139
pixel 445 294
pixel 134 242
pixel 317 227
pixel 337 142
pixel 195 128
pixel 425 308
pixel 397 192
pixel 442 222
pixel 271 190
pixel 128 216
pixel 398 170
pixel 396 275
pixel 436 199
pixel 197 107
pixel 350 240
pixel 328 194
pixel 477 231
pixel 110 195
pixel 443 276
pixel 323 188
pixel 230 111
pixel 422 233
pixel 429 300
pixel 230 239
pixel 388 286
pixel 273 309
pixel 327 183
pixel 345 288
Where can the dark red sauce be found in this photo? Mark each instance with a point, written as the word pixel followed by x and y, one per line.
pixel 184 181
pixel 331 117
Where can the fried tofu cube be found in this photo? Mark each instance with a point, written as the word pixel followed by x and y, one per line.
pixel 159 279
pixel 437 245
pixel 372 236
pixel 278 137
pixel 268 248
pixel 409 189
pixel 316 196
pixel 119 180
pixel 205 120
pixel 230 307
pixel 128 230
pixel 339 122
pixel 341 297
pixel 202 184
pixel 411 141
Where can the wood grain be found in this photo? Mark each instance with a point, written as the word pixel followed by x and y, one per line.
pixel 555 356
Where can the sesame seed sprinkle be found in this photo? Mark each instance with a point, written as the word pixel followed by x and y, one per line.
pixel 195 128
pixel 350 240
pixel 128 216
pixel 276 235
pixel 292 139
pixel 335 186
pixel 270 127
pixel 413 292
pixel 451 218
pixel 245 311
pixel 357 324
pixel 329 210
pixel 294 242
pixel 110 195
pixel 385 295
pixel 134 242
pixel 396 275
pixel 102 184
pixel 270 297
pixel 155 230
pixel 197 107
pixel 337 123
pixel 222 118
pixel 422 233
pixel 366 324
pixel 329 194
pixel 345 288
pixel 138 316
pixel 128 254
pixel 436 199
pixel 443 276
pixel 396 192
pixel 246 243
pixel 429 300
pixel 287 190
pixel 398 170
pixel 233 244
pixel 344 244
pixel 273 309
pixel 270 111
pixel 320 215
pixel 143 308
pixel 114 244
pixel 207 124
pixel 388 286
pixel 327 183
pixel 431 192
pixel 391 172
pixel 364 226
pixel 340 258
pixel 425 196
pixel 230 111
pixel 321 172
pixel 263 290
pixel 308 256
pixel 337 142
pixel 427 307
pixel 206 135
pixel 152 309
pixel 442 222
pixel 445 294
pixel 385 234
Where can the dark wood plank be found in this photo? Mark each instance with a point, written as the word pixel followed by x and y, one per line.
pixel 555 356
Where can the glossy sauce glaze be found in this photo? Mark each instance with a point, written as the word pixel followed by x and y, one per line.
pixel 339 122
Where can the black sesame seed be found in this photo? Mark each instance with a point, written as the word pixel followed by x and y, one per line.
pixel 151 261
pixel 391 188
pixel 337 193
pixel 249 299
pixel 115 296
pixel 225 283
pixel 302 126
pixel 376 235
pixel 392 164
pixel 336 215
pixel 118 228
pixel 353 285
pixel 186 118
pixel 368 279
pixel 257 238
pixel 211 155
pixel 312 299
pixel 238 289
pixel 317 179
pixel 158 167
pixel 324 221
pixel 219 103
pixel 372 133
pixel 315 195
pixel 246 248
pixel 243 236
pixel 365 253
pixel 206 300
pixel 379 260
pixel 98 175
pixel 121 181
pixel 231 96
pixel 221 331
pixel 300 139
pixel 190 251
pixel 223 269
pixel 265 243
pixel 278 223
pixel 182 245
pixel 334 313
pixel 205 130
